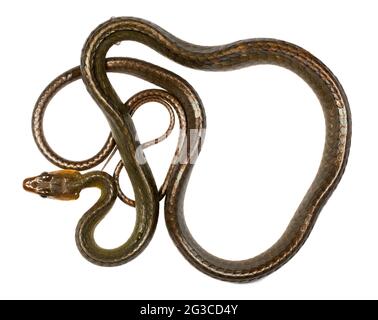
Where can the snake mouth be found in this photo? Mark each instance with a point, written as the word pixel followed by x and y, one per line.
pixel 29 184
pixel 32 185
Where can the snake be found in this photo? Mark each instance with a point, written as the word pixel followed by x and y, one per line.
pixel 240 54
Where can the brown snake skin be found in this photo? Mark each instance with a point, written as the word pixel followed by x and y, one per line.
pixel 232 56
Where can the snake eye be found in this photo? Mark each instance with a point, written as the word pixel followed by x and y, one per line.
pixel 45 176
pixel 44 193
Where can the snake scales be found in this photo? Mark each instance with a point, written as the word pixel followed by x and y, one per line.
pixel 180 96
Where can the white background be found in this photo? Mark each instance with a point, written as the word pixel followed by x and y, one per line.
pixel 263 145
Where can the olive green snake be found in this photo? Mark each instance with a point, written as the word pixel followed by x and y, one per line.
pixel 179 95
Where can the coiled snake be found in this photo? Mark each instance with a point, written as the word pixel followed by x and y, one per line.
pixel 179 95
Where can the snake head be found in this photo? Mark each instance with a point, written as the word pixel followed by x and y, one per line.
pixel 61 184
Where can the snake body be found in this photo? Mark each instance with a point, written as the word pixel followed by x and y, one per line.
pixel 232 56
pixel 146 217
